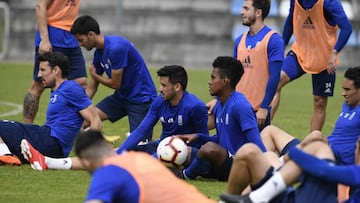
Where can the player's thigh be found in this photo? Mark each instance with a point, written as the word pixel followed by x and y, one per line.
pixel 111 108
pixel 136 113
pixel 77 68
pixel 290 69
pixel 323 84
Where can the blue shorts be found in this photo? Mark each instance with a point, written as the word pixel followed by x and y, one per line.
pixel 116 109
pixel 323 83
pixel 13 132
pixel 289 145
pixel 311 189
pixel 77 67
pixel 221 174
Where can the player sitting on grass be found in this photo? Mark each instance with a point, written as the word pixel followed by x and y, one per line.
pixel 68 107
pixel 178 111
pixel 318 182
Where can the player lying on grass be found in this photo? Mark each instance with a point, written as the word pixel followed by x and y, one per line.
pixel 129 177
pixel 178 111
pixel 68 107
pixel 313 166
pixel 271 183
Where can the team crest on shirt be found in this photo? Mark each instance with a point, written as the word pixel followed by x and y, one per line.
pixel 53 98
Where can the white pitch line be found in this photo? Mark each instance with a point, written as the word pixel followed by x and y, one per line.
pixel 18 108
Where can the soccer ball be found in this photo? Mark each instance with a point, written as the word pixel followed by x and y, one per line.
pixel 172 151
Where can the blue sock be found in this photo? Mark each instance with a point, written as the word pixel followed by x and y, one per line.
pixel 197 168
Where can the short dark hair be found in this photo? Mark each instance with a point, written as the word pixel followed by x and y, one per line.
pixel 88 140
pixel 229 67
pixel 85 24
pixel 264 5
pixel 176 74
pixel 56 59
pixel 354 75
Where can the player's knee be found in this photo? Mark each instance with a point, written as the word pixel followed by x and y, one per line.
pixel 284 79
pixel 247 151
pixel 320 102
pixel 209 150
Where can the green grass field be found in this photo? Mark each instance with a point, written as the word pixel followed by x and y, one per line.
pixel 22 184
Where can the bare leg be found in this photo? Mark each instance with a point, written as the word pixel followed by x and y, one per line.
pixel 31 102
pixel 284 79
pixel 275 139
pixel 318 118
pixel 82 81
pixel 249 167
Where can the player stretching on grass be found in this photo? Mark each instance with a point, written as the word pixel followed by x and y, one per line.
pixel 54 20
pixel 68 107
pixel 178 111
pixel 125 70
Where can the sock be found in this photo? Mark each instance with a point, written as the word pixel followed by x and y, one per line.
pixel 58 163
pixel 271 188
pixel 4 149
pixel 197 167
pixel 281 159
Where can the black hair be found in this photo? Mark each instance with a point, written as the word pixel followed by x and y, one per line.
pixel 264 5
pixel 56 59
pixel 229 67
pixel 85 24
pixel 176 74
pixel 354 75
pixel 88 139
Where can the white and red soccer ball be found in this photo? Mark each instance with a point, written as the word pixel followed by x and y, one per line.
pixel 172 151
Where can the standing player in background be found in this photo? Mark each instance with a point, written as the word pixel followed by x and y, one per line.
pixel 234 120
pixel 54 20
pixel 261 51
pixel 130 177
pixel 314 24
pixel 126 73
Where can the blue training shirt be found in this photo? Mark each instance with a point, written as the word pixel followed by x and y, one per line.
pixel 58 38
pixel 189 116
pixel 136 85
pixel 62 114
pixel 235 123
pixel 345 134
pixel 105 187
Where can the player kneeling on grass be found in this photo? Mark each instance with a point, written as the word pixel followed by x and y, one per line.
pixel 130 176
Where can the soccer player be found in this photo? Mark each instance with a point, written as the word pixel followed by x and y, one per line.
pixel 178 111
pixel 317 43
pixel 252 166
pixel 261 51
pixel 129 177
pixel 346 130
pixel 54 20
pixel 125 70
pixel 234 120
pixel 68 107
